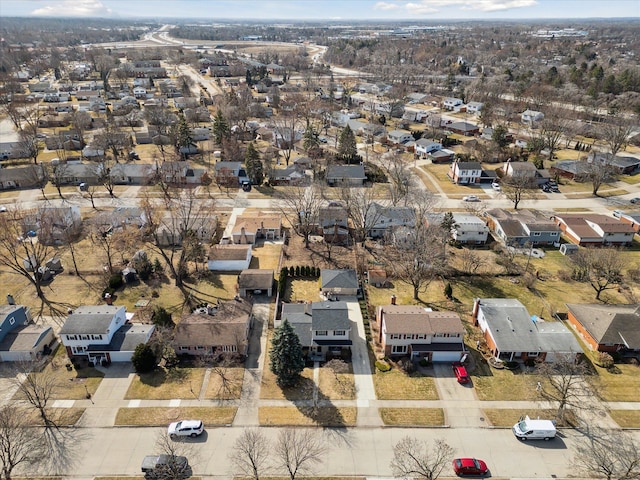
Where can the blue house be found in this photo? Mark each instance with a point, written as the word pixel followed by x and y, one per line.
pixel 20 339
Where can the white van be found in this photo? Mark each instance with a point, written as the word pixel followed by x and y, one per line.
pixel 527 429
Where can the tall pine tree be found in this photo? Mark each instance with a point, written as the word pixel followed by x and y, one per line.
pixel 220 127
pixel 254 165
pixel 287 360
pixel 347 149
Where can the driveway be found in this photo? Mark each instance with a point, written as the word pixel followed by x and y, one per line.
pixel 461 406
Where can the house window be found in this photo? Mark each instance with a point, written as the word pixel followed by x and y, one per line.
pixel 339 333
pixel 321 333
pixel 399 349
pixel 228 348
pixel 199 347
pixel 12 321
pixel 439 335
pixel 71 337
pixel 536 234
pixel 408 336
pixel 532 354
pixel 395 336
pixel 184 348
pixel 422 336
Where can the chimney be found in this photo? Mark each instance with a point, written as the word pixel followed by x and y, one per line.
pixel 10 299
pixel 474 313
pixel 393 299
pixel 108 298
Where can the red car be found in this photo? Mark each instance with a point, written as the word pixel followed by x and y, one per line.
pixel 469 466
pixel 460 372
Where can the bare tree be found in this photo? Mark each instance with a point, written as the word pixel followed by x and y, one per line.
pixel 566 385
pixel 103 237
pixel 80 123
pixel 616 134
pixel 251 452
pixel 517 188
pixel 30 144
pixel 298 450
pixel 597 171
pixel 20 443
pixel 359 204
pixel 176 463
pixel 601 267
pixel 608 454
pixel 553 127
pixel 401 179
pixel 472 261
pixel 413 458
pixel 38 389
pixel 301 206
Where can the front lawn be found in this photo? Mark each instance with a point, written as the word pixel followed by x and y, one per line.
pixel 617 387
pixel 409 417
pixel 397 385
pixel 161 416
pixel 308 416
pixel 164 384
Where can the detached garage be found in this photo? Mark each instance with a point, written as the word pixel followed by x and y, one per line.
pixel 229 258
pixel 257 282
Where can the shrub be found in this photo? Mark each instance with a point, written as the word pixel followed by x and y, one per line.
pixel 511 365
pixel 307 271
pixel 161 317
pixel 115 281
pixel 448 291
pixel 382 366
pixel 157 266
pixel 292 271
pixel 424 362
pixel 297 270
pixel 406 365
pixel 605 360
pixel 284 272
pixel 143 358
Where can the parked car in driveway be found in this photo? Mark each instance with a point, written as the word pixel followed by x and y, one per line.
pixel 635 200
pixel 471 198
pixel 460 372
pixel 185 428
pixel 469 466
pixel 496 186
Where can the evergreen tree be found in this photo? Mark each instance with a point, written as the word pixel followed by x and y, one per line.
pixel 448 224
pixel 254 165
pixel 143 358
pixel 182 136
pixel 310 140
pixel 220 127
pixel 287 360
pixel 248 77
pixel 347 149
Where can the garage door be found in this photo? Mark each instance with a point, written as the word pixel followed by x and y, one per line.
pixel 446 356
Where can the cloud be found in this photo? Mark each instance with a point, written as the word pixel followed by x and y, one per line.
pixel 386 6
pixel 432 6
pixel 73 8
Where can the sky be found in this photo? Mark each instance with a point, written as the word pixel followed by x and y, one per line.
pixel 324 9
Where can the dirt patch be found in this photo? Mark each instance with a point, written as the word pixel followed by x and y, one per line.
pixel 317 255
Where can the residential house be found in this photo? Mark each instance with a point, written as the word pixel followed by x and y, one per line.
pixel 465 173
pixel 255 282
pixel 417 332
pixel 181 172
pixel 474 107
pixel 377 277
pixel 215 330
pixel 624 165
pixel 333 224
pixel 292 175
pixel 30 176
pixel 133 174
pixel 53 121
pixel 632 219
pixel 334 283
pixel 442 156
pixel 512 334
pixel 122 217
pixel 52 224
pixel 424 146
pixel 469 229
pixel 345 175
pixel 171 229
pixel 20 339
pixel 607 328
pixel 399 137
pixel 520 170
pixel 230 173
pixel 229 258
pixel 464 128
pixel 103 333
pixel 286 137
pixel 76 173
pixel 250 228
pixel 451 103
pixel 11 150
pixel 594 229
pixel 383 220
pixel 530 117
pixel 571 169
pixel 324 328
pixel 523 227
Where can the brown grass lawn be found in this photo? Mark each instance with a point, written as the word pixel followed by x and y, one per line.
pixel 266 257
pixel 506 417
pixel 503 384
pixel 302 290
pixel 161 385
pixel 423 417
pixel 159 416
pixel 622 387
pixel 340 387
pixel 71 383
pixel 396 385
pixel 63 417
pixel 305 416
pixel 217 388
pixel 626 418
pixel 270 390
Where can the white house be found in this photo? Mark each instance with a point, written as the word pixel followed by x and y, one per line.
pixel 229 258
pixel 465 172
pixel 469 229
pixel 529 117
pixel 399 136
pixel 102 333
pixel 424 146
pixel 452 103
pixel 20 339
pixel 474 107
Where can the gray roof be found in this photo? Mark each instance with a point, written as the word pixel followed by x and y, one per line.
pixel 24 338
pixel 346 171
pixel 610 324
pixel 469 166
pixel 339 278
pixel 90 319
pixel 126 338
pixel 515 330
pixel 256 279
pixel 330 316
pixel 299 316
